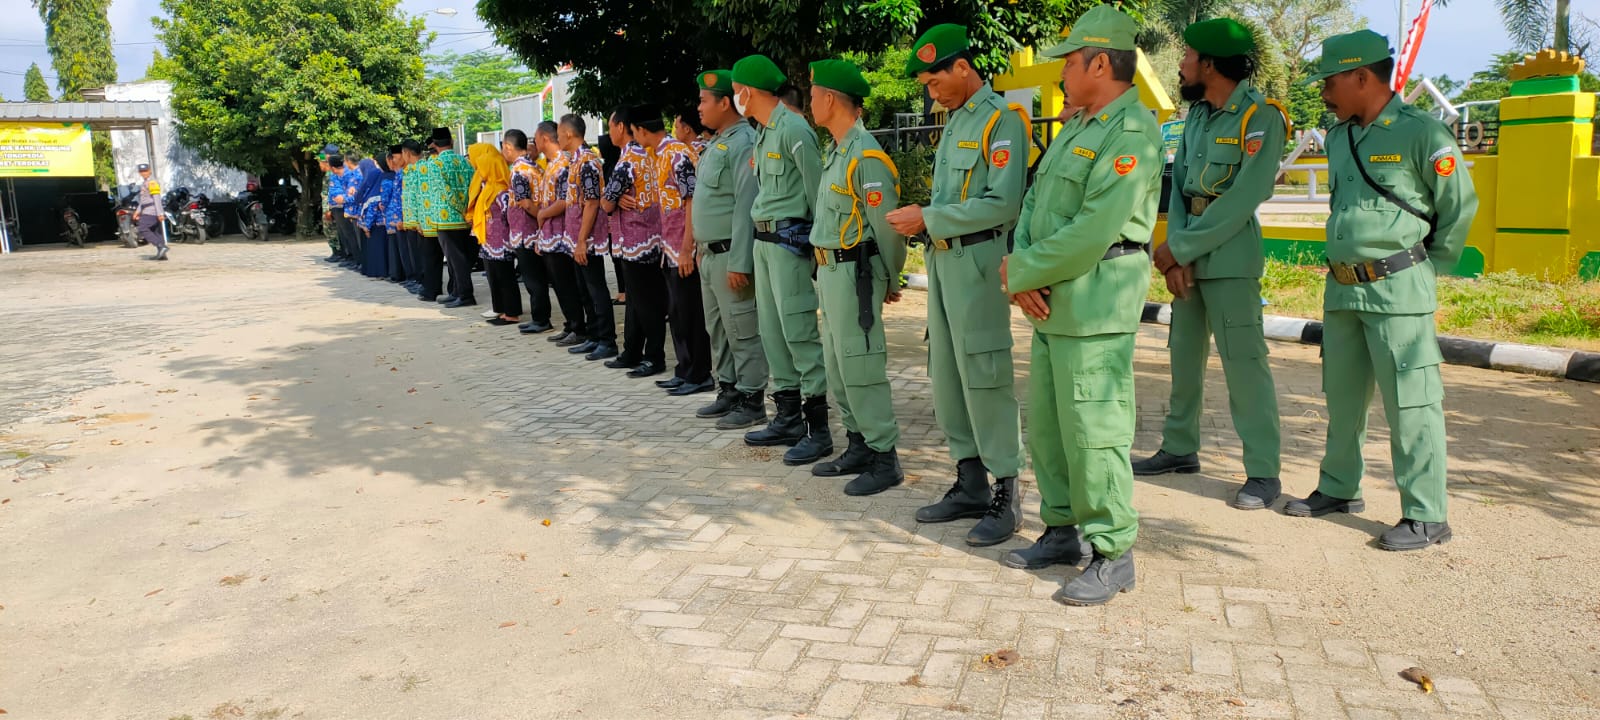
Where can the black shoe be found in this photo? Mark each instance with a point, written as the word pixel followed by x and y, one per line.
pixel 1162 463
pixel 461 303
pixel 622 362
pixel 500 321
pixel 428 298
pixel 1059 545
pixel 602 352
pixel 332 259
pixel 855 458
pixel 786 428
pixel 534 328
pixel 749 410
pixel 584 348
pixel 1415 535
pixel 968 497
pixel 1100 582
pixel 446 299
pixel 727 398
pixel 571 339
pixel 161 254
pixel 883 472
pixel 558 337
pixel 646 369
pixel 818 442
pixel 670 383
pixel 689 388
pixel 1318 505
pixel 1003 518
pixel 1257 494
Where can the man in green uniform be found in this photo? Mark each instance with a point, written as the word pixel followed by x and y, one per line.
pixel 787 167
pixel 1226 164
pixel 1080 272
pixel 1402 205
pixel 858 254
pixel 980 173
pixel 725 188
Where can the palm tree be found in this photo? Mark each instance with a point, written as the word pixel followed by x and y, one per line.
pixel 1531 22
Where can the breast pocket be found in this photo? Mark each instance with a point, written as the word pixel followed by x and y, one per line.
pixel 773 166
pixel 1069 180
pixel 961 163
pixel 711 171
pixel 1222 168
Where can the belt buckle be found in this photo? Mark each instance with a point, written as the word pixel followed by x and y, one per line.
pixel 1371 269
pixel 821 255
pixel 1345 274
pixel 941 243
pixel 1197 206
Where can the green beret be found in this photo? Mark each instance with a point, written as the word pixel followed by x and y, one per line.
pixel 840 75
pixel 935 46
pixel 1220 37
pixel 717 82
pixel 759 72
pixel 1103 27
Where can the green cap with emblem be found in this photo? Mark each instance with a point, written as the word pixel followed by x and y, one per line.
pixel 1348 52
pixel 716 82
pixel 1102 26
pixel 840 75
pixel 759 72
pixel 937 45
pixel 1220 37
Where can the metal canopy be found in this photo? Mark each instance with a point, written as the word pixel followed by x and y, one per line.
pixel 101 115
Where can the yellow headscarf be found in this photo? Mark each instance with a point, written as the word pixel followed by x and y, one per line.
pixel 490 177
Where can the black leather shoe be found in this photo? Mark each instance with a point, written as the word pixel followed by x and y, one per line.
pixel 584 348
pixel 1100 582
pixel 749 410
pixel 428 298
pixel 883 472
pixel 332 259
pixel 558 337
pixel 1162 463
pixel 1318 505
pixel 571 339
pixel 1059 545
pixel 500 321
pixel 622 362
pixel 968 497
pixel 602 352
pixel 1415 535
pixel 856 458
pixel 646 369
pixel 1003 518
pixel 534 328
pixel 689 388
pixel 461 303
pixel 671 383
pixel 1257 494
pixel 446 299
pixel 818 442
pixel 727 398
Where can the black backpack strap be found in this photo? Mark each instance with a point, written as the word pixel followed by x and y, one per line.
pixel 1355 156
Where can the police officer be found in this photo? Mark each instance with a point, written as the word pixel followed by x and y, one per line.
pixel 1079 272
pixel 726 237
pixel 859 258
pixel 1227 162
pixel 980 171
pixel 787 167
pixel 149 215
pixel 1401 208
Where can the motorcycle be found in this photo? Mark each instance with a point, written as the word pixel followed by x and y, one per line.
pixel 285 209
pixel 73 229
pixel 127 229
pixel 186 216
pixel 252 215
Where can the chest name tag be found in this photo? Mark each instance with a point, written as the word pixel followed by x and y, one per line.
pixel 1083 152
pixel 838 189
pixel 1384 158
pixel 1227 141
pixel 775 156
pixel 720 146
pixel 968 145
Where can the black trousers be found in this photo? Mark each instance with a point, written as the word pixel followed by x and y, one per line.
pixel 645 321
pixel 397 254
pixel 567 283
pixel 460 250
pixel 432 252
pixel 616 267
pixel 599 315
pixel 414 247
pixel 504 296
pixel 349 236
pixel 687 316
pixel 535 276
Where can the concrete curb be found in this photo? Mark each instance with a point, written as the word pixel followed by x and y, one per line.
pixel 1578 365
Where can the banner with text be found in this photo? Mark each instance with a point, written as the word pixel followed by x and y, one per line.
pixel 60 150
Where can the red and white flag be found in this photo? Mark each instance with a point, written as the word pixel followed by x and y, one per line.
pixel 1408 51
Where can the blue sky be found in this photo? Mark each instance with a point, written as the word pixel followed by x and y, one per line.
pixel 1460 39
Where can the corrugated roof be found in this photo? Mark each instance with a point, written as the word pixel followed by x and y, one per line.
pixel 106 113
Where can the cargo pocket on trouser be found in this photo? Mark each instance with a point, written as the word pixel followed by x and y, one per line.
pixel 1416 376
pixel 745 320
pixel 1102 401
pixel 864 364
pixel 799 317
pixel 988 357
pixel 1242 339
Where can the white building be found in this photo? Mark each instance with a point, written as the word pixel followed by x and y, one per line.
pixel 175 165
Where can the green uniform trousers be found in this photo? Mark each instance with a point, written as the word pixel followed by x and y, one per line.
pixel 857 360
pixel 786 303
pixel 1402 354
pixel 1080 429
pixel 969 356
pixel 732 323
pixel 1230 308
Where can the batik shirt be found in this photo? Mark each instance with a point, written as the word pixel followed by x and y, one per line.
pixel 583 183
pixel 423 207
pixel 497 229
pixel 335 187
pixel 524 228
pixel 553 236
pixel 408 197
pixel 635 234
pixel 454 176
pixel 393 201
pixel 352 182
pixel 674 173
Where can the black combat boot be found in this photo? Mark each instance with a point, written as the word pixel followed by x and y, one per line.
pixel 1414 535
pixel 727 397
pixel 1059 545
pixel 967 498
pixel 855 459
pixel 1003 517
pixel 1100 582
pixel 1257 494
pixel 786 428
pixel 883 472
pixel 818 442
pixel 749 409
pixel 1163 462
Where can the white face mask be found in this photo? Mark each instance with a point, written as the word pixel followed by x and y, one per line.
pixel 739 103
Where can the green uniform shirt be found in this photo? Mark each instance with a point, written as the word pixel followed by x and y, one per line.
pixel 1097 185
pixel 725 189
pixel 852 202
pixel 1415 157
pixel 427 197
pixel 787 166
pixel 974 187
pixel 1220 158
pixel 452 175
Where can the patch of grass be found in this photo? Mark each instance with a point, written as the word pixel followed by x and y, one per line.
pixel 411 682
pixel 914 262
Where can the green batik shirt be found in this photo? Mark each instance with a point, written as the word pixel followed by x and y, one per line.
pixel 427 197
pixel 725 189
pixel 1097 185
pixel 1416 158
pixel 787 166
pixel 978 186
pixel 852 201
pixel 1233 162
pixel 452 175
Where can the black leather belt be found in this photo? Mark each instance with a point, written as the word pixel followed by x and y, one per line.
pixel 982 236
pixel 1197 205
pixel 1126 247
pixel 829 256
pixel 772 226
pixel 1371 270
pixel 720 247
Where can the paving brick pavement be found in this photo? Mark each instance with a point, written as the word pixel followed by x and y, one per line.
pixel 793 600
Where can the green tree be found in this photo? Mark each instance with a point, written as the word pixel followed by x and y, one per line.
pixel 153 70
pixel 892 91
pixel 1294 29
pixel 262 85
pixel 78 35
pixel 469 83
pixel 34 88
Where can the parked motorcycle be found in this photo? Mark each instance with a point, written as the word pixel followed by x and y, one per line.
pixel 253 220
pixel 186 216
pixel 74 230
pixel 127 229
pixel 285 209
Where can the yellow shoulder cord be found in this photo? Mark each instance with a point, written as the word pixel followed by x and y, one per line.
pixel 855 202
pixel 983 144
pixel 1244 130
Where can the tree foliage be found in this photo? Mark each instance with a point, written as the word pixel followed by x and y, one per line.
pixel 78 35
pixel 1296 28
pixel 34 88
pixel 469 83
pixel 261 84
